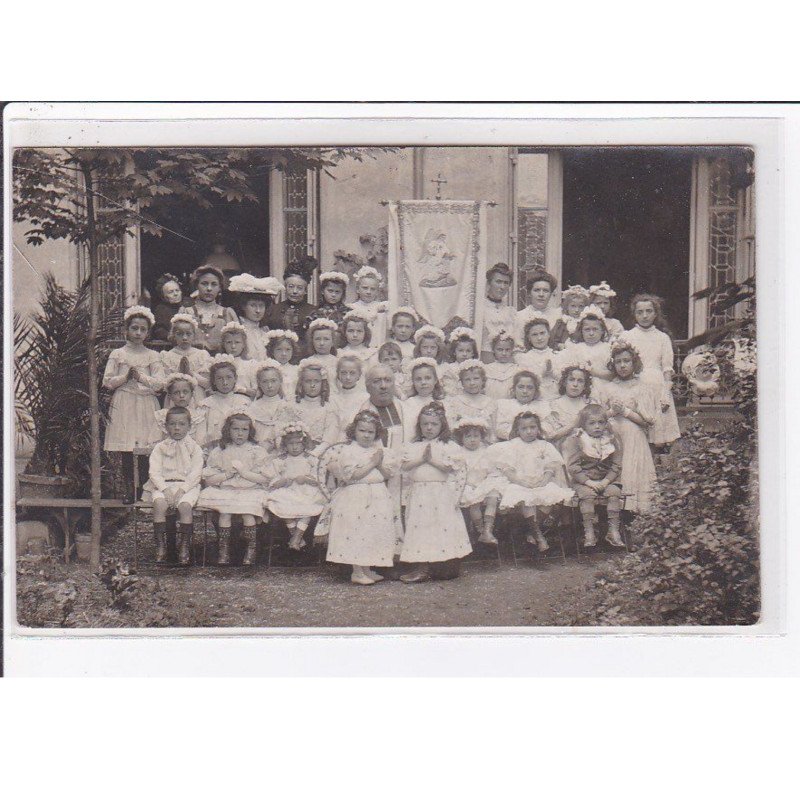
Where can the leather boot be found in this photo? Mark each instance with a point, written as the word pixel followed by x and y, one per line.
pixel 249 534
pixel 613 538
pixel 172 538
pixel 488 537
pixel 160 530
pixel 185 531
pixel 589 537
pixel 535 536
pixel 224 557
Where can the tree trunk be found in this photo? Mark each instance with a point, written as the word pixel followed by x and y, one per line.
pixel 91 342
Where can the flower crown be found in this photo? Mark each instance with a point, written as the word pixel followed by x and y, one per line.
pixel 187 318
pixel 292 427
pixel 322 322
pixel 602 289
pixel 591 311
pixel 361 316
pixel 223 358
pixel 249 284
pixel 575 364
pixel 267 363
pixel 577 291
pixel 139 311
pixel 332 275
pixel 368 272
pixel 429 330
pixel 411 312
pixel 459 332
pixel 422 361
pixel 180 376
pixel 503 334
pixel 470 422
pixel 233 327
pixel 470 363
pixel 622 344
pixel 313 363
pixel 281 334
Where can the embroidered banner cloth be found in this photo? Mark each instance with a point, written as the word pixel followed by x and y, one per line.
pixel 437 260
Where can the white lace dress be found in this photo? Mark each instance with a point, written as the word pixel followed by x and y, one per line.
pixel 297 499
pixel 473 405
pixel 544 365
pixel 199 362
pixel 482 479
pixel 268 415
pixel 499 379
pixel 216 408
pixel 507 411
pixel 236 494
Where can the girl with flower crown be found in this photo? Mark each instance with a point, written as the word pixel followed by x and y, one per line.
pixel 185 357
pixel 294 493
pixel 472 400
pixel 270 410
pixel 525 395
pixel 591 345
pixel 312 403
pixel 368 283
pixel 135 375
pixel 210 315
pixel 602 296
pixel 501 370
pixel 254 296
pixel 461 345
pixel 575 388
pixel 321 339
pixel 425 387
pixel 222 401
pixel 234 343
pixel 284 347
pixel 332 288
pixel 573 300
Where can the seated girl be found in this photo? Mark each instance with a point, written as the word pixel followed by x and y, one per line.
pixel 235 480
pixel 270 410
pixel 484 485
pixel 185 357
pixel 472 400
pixel 284 347
pixel 176 465
pixel 222 402
pixel 294 493
pixel 362 525
pixel 461 345
pixel 524 397
pixel 593 455
pixel 500 372
pixel 534 470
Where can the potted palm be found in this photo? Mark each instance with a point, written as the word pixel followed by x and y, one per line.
pixel 51 392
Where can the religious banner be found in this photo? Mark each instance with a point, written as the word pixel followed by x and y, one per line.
pixel 437 260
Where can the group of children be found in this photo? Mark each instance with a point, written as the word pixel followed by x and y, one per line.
pixel 266 413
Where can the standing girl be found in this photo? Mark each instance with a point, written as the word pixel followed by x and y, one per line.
pixel 270 411
pixel 284 347
pixel 369 282
pixel 484 486
pixel 425 388
pixel 234 342
pixel 535 473
pixel 461 345
pixel 391 355
pixel 632 404
pixel 351 394
pixel 208 282
pixel 525 396
pixel 500 372
pixel 186 358
pixel 294 493
pixel 235 478
pixel 362 525
pixel 602 296
pixel 180 389
pixel 591 345
pixel 356 335
pixel 332 288
pixel 434 529
pixel 574 389
pixel 136 375
pixel 166 303
pixel 321 338
pixel 654 344
pixel 312 403
pixel 472 400
pixel 539 357
pixel 254 295
pixel 222 402
pixel 573 300
pixel 404 325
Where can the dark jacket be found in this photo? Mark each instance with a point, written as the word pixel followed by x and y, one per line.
pixel 288 316
pixel 582 468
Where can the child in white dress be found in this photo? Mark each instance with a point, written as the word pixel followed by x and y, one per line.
pixel 539 357
pixel 525 396
pixel 591 345
pixel 351 394
pixel 484 485
pixel 602 296
pixel 180 394
pixel 404 324
pixel 500 372
pixel 185 357
pixel 356 335
pixel 362 525
pixel 573 300
pixel 391 355
pixel 284 347
pixel 235 484
pixel 472 400
pixel 429 343
pixel 658 359
pixel 176 465
pixel 270 411
pixel 233 337
pixel 136 376
pixel 313 406
pixel 253 295
pixel 222 402
pixel 461 346
pixel 434 529
pixel 535 473
pixel 575 392
pixel 632 405
pixel 294 492
pixel 321 338
pixel 369 282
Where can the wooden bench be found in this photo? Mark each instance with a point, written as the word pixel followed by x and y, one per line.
pixel 59 508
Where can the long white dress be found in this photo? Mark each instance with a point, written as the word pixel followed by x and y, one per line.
pixel 434 529
pixel 298 499
pixel 530 460
pixel 175 464
pixel 507 411
pixel 638 476
pixel 473 405
pixel 236 495
pixel 499 378
pixel 132 421
pixel 268 415
pixel 655 348
pixel 199 362
pixel 544 365
pixel 216 408
pixel 362 523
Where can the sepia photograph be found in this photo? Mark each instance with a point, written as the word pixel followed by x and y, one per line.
pixel 354 386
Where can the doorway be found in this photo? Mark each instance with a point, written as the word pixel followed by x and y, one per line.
pixel 626 220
